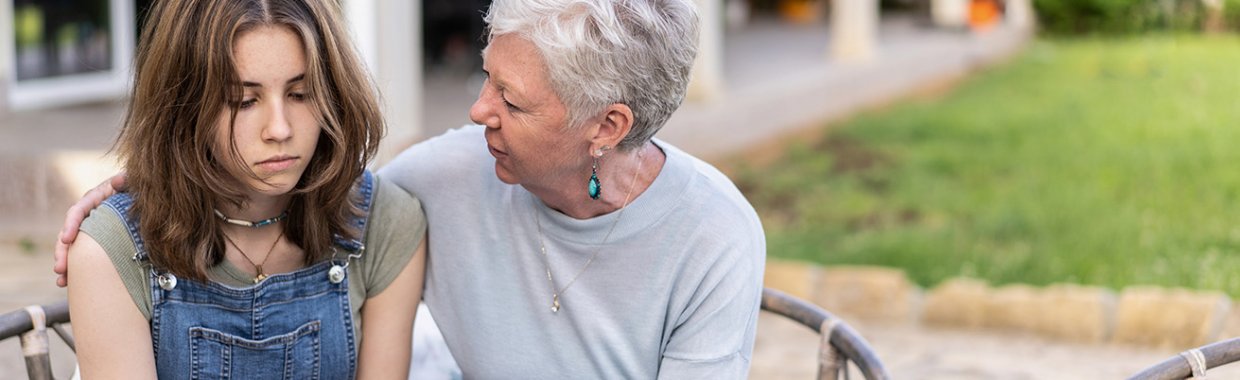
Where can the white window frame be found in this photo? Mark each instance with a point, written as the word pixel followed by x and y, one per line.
pixel 74 88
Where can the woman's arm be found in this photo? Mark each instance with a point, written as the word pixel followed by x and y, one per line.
pixel 387 322
pixel 113 338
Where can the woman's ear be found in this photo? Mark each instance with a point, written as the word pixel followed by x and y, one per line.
pixel 613 126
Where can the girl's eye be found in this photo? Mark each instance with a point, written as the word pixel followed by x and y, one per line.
pixel 244 104
pixel 297 96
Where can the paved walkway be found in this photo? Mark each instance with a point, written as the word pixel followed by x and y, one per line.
pixel 777 82
pixel 785 350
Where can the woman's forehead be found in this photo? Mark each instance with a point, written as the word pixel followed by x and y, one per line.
pixel 515 64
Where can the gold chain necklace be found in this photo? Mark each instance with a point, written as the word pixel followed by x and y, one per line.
pixel 260 276
pixel 542 247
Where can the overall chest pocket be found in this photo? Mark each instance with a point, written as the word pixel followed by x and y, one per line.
pixel 218 355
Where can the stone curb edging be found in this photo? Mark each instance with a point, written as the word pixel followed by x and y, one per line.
pixel 1170 318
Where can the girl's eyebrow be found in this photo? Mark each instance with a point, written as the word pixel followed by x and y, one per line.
pixel 298 78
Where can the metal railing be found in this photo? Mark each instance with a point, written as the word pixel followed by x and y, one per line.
pixel 30 324
pixel 1194 362
pixel 839 343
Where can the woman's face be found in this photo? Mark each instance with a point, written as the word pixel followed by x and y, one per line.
pixel 526 122
pixel 275 129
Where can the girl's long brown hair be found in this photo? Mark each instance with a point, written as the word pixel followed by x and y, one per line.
pixel 184 79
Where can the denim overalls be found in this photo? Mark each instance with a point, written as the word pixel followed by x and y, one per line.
pixel 294 325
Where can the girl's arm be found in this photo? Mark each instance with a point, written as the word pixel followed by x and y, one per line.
pixel 113 338
pixel 387 322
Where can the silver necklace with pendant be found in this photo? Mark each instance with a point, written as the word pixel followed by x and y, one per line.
pixel 542 246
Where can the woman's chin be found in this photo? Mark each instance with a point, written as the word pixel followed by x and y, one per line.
pixel 505 176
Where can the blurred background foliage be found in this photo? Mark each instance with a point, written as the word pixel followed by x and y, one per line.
pixel 1069 17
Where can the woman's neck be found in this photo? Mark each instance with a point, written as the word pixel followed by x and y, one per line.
pixel 624 175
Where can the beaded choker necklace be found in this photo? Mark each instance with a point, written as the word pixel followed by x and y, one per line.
pixel 255 224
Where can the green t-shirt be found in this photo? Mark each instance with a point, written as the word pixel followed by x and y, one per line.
pixel 396 226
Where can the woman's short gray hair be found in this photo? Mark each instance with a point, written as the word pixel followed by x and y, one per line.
pixel 601 52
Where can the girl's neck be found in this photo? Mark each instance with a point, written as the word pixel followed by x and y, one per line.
pixel 257 207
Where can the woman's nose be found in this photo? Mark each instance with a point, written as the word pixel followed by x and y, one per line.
pixel 482 112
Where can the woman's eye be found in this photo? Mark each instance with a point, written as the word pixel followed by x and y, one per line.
pixel 297 96
pixel 244 104
pixel 509 105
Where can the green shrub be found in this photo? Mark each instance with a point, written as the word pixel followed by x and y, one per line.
pixel 1231 13
pixel 1123 16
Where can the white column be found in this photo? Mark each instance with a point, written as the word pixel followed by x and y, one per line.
pixel 1019 13
pixel 388 35
pixel 953 13
pixel 6 54
pixel 854 29
pixel 706 82
pixel 361 15
pixel 737 13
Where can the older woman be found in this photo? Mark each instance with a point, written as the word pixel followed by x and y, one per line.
pixel 565 241
pixel 574 244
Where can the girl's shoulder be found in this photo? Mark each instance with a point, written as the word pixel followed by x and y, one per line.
pixel 394 231
pixel 107 228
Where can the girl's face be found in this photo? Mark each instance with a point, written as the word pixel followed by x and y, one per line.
pixel 276 130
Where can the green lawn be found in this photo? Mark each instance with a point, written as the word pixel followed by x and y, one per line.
pixel 1100 161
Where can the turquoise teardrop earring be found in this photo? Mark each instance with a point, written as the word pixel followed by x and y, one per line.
pixel 595 187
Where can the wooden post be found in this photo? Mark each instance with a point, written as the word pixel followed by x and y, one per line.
pixel 706 81
pixel 854 29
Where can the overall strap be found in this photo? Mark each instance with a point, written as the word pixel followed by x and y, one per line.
pixel 122 203
pixel 365 198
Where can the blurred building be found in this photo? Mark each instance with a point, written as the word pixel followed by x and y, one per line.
pixel 56 53
pixel 764 68
pixel 61 52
